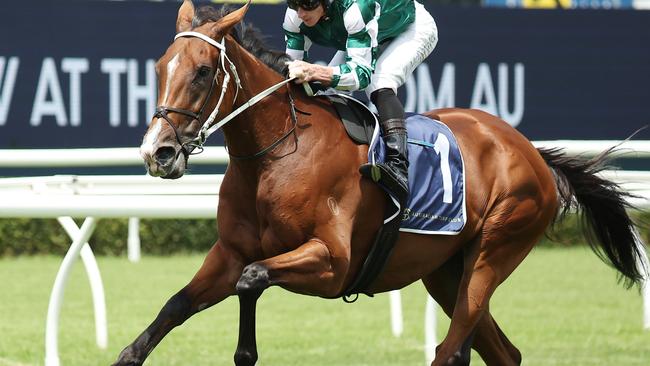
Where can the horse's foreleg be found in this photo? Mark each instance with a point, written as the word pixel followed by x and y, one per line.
pixel 214 281
pixel 307 269
pixel 254 280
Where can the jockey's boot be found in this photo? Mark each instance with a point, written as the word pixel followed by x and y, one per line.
pixel 394 172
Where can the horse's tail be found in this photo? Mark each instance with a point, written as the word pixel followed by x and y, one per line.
pixel 602 207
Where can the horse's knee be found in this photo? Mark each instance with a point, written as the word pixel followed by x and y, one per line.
pixel 245 358
pixel 458 359
pixel 254 279
pixel 128 357
pixel 177 309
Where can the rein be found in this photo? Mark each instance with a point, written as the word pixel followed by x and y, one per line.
pixel 209 126
pixel 264 151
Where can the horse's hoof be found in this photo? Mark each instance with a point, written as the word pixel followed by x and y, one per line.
pixel 245 358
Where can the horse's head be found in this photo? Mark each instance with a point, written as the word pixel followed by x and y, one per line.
pixel 188 72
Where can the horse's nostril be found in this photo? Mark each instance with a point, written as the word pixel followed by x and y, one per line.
pixel 165 155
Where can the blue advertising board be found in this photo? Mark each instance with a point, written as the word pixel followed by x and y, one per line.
pixel 81 73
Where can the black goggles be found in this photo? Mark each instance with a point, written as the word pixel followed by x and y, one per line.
pixel 305 4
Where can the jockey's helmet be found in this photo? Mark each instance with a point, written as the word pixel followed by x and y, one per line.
pixel 305 4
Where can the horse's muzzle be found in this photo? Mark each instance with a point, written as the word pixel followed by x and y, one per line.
pixel 165 162
pixel 165 156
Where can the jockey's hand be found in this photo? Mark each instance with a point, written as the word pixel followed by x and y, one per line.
pixel 306 72
pixel 301 70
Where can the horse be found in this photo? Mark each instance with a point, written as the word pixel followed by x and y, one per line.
pixel 295 212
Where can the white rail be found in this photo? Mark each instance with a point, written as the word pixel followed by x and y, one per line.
pixel 93 197
pixel 113 156
pixel 144 197
pixel 630 148
pixel 130 156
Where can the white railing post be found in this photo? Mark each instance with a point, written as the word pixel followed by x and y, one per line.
pixel 396 319
pixel 133 241
pixel 95 279
pixel 56 297
pixel 430 342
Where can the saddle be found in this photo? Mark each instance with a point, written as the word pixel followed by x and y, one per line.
pixel 435 162
pixel 360 124
pixel 358 120
pixel 436 205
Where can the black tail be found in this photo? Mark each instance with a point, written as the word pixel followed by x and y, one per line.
pixel 602 206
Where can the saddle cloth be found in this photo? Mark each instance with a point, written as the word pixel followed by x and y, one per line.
pixel 436 204
pixel 436 171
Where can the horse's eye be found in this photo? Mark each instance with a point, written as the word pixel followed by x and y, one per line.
pixel 203 72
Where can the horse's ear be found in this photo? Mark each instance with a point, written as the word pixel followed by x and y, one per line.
pixel 185 15
pixel 227 22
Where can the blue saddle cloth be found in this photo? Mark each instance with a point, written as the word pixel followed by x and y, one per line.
pixel 436 177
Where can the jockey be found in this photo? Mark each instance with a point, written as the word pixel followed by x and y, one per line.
pixel 379 43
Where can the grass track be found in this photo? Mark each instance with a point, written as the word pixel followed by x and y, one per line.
pixel 561 307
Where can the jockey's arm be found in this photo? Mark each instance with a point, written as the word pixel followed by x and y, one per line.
pixel 355 72
pixel 360 22
pixel 297 43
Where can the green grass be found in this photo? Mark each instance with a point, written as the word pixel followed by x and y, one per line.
pixel 561 307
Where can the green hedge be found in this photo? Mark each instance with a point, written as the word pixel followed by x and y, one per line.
pixel 566 233
pixel 159 237
pixel 166 237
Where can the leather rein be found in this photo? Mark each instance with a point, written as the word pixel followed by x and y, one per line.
pixel 209 125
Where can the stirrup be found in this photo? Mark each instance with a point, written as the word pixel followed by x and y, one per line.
pixel 384 175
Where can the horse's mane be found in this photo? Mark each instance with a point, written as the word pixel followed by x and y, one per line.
pixel 246 35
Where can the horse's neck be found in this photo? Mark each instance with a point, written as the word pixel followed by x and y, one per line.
pixel 263 124
pixel 260 125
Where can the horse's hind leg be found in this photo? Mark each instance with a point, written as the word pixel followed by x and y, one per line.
pixel 214 281
pixel 492 343
pixel 508 234
pixel 489 341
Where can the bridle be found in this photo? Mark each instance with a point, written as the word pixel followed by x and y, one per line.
pixel 187 147
pixel 209 126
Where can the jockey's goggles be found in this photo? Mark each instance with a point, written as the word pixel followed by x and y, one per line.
pixel 305 4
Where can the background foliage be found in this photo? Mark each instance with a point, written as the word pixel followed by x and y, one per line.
pixel 157 237
pixel 167 237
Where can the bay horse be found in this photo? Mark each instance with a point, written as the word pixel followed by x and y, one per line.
pixel 294 211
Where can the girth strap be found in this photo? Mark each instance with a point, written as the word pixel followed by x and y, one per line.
pixel 375 261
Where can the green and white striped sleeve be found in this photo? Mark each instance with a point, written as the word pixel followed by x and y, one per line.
pixel 360 21
pixel 297 43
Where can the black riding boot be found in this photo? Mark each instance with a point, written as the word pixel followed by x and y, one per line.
pixel 394 172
